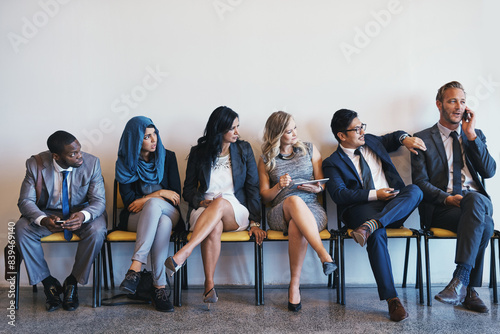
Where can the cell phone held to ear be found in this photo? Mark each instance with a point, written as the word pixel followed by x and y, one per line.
pixel 466 116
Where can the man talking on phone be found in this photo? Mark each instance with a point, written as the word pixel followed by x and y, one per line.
pixel 448 174
pixel 63 191
pixel 370 194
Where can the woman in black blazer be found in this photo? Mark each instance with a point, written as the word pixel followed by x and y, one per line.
pixel 222 189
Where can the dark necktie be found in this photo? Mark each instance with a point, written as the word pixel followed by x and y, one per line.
pixel 458 164
pixel 366 173
pixel 65 204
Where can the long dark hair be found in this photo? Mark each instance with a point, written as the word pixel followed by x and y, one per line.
pixel 210 145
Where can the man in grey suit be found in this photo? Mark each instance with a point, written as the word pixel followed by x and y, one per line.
pixel 454 196
pixel 71 185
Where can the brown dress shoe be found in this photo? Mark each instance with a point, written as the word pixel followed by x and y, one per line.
pixel 453 294
pixel 473 302
pixel 361 234
pixel 396 310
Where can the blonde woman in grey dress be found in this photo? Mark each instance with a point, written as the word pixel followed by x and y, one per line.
pixel 294 210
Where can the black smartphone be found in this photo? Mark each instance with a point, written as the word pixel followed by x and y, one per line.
pixel 466 116
pixel 59 222
pixel 395 191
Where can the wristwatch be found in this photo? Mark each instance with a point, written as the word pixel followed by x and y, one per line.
pixel 403 136
pixel 254 225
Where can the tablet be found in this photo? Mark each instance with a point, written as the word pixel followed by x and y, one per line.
pixel 321 181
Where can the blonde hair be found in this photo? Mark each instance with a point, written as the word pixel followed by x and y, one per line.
pixel 274 129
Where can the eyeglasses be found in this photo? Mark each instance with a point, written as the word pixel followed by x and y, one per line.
pixel 358 128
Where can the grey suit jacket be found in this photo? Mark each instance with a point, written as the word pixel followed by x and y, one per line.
pixel 86 189
pixel 430 168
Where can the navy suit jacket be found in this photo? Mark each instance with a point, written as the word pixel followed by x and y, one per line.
pixel 345 186
pixel 430 168
pixel 245 179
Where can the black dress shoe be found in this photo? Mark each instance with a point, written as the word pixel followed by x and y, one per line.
pixel 453 294
pixel 70 301
pixel 473 302
pixel 52 292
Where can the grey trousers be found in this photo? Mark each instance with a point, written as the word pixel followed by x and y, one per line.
pixel 28 235
pixel 153 225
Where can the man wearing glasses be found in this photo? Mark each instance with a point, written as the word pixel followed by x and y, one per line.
pixel 454 197
pixel 370 194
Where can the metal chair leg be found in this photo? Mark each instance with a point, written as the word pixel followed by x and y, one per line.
pixel 427 271
pixel 110 261
pixel 493 272
pixel 342 272
pixel 407 255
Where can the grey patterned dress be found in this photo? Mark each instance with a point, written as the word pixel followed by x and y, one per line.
pixel 300 169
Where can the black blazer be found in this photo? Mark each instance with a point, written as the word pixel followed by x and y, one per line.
pixel 245 179
pixel 132 191
pixel 430 168
pixel 345 186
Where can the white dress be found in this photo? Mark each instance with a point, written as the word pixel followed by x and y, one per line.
pixel 221 181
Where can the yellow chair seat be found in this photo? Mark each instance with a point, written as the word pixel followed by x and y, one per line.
pixel 59 237
pixel 122 236
pixel 230 236
pixel 278 235
pixel 392 232
pixel 442 233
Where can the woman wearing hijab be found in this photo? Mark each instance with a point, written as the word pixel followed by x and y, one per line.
pixel 150 188
pixel 222 189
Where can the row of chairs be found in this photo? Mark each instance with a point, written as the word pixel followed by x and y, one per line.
pixel 334 237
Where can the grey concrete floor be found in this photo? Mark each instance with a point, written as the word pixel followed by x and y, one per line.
pixel 236 313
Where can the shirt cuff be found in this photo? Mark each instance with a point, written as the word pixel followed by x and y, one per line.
pixel 39 220
pixel 372 195
pixel 87 216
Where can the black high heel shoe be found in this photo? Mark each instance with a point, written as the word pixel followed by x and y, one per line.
pixel 293 307
pixel 329 267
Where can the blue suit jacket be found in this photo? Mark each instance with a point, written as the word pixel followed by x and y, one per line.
pixel 345 186
pixel 245 179
pixel 430 168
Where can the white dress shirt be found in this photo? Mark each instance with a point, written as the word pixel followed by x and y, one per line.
pixel 373 161
pixel 467 181
pixel 56 202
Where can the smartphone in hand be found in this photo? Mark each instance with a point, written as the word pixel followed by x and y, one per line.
pixel 59 222
pixel 466 116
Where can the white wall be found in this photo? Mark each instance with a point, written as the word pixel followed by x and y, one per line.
pixel 85 66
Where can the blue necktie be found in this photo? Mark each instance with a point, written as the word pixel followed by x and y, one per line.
pixel 65 204
pixel 458 164
pixel 366 173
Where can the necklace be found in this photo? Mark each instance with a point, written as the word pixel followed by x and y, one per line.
pixel 287 156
